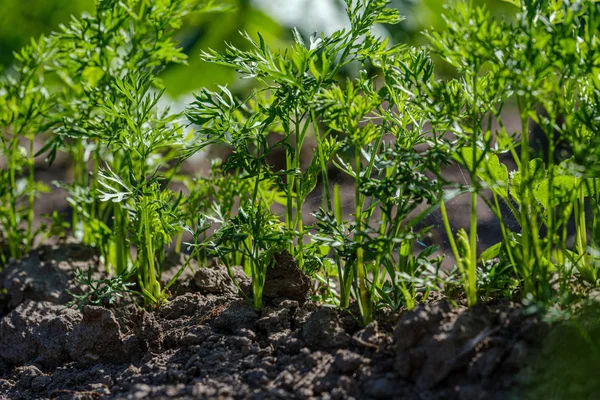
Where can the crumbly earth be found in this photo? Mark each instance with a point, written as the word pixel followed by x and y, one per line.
pixel 208 343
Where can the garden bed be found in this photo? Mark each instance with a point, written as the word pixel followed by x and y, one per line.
pixel 208 342
pixel 325 287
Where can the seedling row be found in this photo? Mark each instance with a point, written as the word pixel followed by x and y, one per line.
pixel 92 91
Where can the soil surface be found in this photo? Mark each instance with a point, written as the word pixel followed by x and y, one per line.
pixel 208 342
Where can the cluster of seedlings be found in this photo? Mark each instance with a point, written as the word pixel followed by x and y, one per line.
pixel 92 91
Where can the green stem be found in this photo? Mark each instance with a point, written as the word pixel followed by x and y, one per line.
pixel 364 301
pixel 300 225
pixel 88 237
pixel 153 285
pixel 13 242
pixel 178 241
pixel 77 156
pixel 258 275
pixel 581 235
pixel 322 163
pixel 289 211
pixel 344 274
pixel 525 211
pixel 31 197
pixel 472 293
pixel 298 220
pixel 504 230
pixel 450 235
pixel 255 190
pixel 120 240
pixel 472 272
pixel 257 284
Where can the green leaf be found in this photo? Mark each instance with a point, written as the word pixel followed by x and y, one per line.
pixel 495 175
pixel 92 75
pixel 489 169
pixel 563 191
pixel 310 176
pixel 491 252
pixel 389 16
pixel 464 156
pixel 537 175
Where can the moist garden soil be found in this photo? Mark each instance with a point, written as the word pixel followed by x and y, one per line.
pixel 208 342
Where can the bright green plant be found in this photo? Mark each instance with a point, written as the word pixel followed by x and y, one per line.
pixel 73 83
pixel 148 212
pixel 99 291
pixel 58 83
pixel 391 126
pixel 24 101
pixel 257 234
pixel 215 199
pixel 215 195
pixel 470 54
pixel 290 81
pixel 343 111
pixel 541 61
pixel 299 92
pixel 391 181
pixel 91 57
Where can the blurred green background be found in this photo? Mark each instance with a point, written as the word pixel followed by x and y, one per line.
pixel 22 20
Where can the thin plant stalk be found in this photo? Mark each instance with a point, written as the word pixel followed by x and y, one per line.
pixel 365 302
pixel 472 272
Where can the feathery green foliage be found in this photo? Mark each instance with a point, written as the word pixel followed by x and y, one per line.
pixel 91 92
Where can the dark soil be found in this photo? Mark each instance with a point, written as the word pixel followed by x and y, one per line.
pixel 208 342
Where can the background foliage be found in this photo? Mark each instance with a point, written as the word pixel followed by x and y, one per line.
pixel 20 21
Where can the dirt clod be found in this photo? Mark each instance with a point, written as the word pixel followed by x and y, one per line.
pixel 286 280
pixel 380 388
pixel 27 374
pixel 215 280
pixel 323 329
pixel 46 273
pixel 40 382
pixel 347 361
pixel 37 332
pixel 98 338
pixel 235 317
